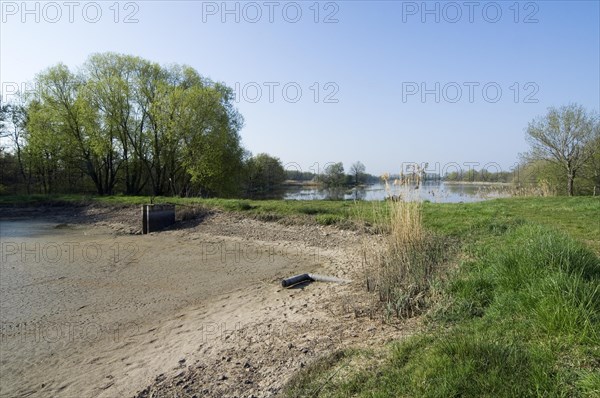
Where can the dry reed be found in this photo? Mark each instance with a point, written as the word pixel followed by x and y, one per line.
pixel 402 270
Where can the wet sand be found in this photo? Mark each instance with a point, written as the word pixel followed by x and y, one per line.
pixel 90 310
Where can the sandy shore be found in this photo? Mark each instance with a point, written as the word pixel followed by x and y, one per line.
pixel 88 307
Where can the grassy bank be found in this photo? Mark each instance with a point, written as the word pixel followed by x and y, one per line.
pixel 519 316
pixel 577 216
pixel 323 212
pixel 523 320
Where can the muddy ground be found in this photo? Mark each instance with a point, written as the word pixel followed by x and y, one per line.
pixel 90 307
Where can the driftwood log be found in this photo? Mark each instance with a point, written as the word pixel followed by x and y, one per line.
pixel 294 280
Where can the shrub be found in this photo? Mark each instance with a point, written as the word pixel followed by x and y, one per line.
pixel 328 219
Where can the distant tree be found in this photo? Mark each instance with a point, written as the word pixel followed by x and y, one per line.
pixel 298 175
pixel 4 108
pixel 453 176
pixel 563 137
pixel 590 173
pixel 4 157
pixel 265 174
pixel 334 175
pixel 16 118
pixel 357 170
pixel 470 175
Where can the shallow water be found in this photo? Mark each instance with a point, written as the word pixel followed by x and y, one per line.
pixel 28 228
pixel 439 192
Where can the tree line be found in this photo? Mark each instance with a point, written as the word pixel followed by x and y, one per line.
pixel 123 124
pixel 482 175
pixel 334 176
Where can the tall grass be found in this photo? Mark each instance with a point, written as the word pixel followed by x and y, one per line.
pixel 403 270
pixel 551 280
pixel 541 188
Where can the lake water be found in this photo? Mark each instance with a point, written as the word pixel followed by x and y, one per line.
pixel 27 228
pixel 433 191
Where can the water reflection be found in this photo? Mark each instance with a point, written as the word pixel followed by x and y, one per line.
pixel 433 191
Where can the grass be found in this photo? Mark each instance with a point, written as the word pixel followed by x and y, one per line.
pixel 523 319
pixel 520 316
pixel 404 271
pixel 577 216
pixel 340 213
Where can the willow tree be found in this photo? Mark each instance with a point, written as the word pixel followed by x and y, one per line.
pixel 564 137
pixel 212 151
pixel 264 176
pixel 127 120
pixel 69 117
pixel 111 85
pixel 13 121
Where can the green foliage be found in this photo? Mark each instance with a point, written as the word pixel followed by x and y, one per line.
pixel 334 176
pixel 470 297
pixel 540 173
pixel 589 383
pixel 357 173
pixel 243 206
pixel 310 210
pixel 590 173
pixel 129 124
pixel 471 222
pixel 4 111
pixel 328 219
pixel 264 176
pixel 298 175
pixel 567 137
pixel 482 175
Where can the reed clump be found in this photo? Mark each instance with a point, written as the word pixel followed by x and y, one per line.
pixel 402 271
pixel 541 188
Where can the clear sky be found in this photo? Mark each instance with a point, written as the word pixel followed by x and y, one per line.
pixel 383 82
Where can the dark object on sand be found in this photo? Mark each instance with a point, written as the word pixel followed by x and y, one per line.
pixel 157 217
pixel 294 280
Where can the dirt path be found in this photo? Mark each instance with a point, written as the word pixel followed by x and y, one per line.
pixel 89 308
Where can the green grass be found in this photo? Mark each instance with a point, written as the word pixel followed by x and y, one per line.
pixel 519 317
pixel 577 216
pixel 523 320
pixel 321 212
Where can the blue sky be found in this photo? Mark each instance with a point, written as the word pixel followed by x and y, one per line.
pixel 362 68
